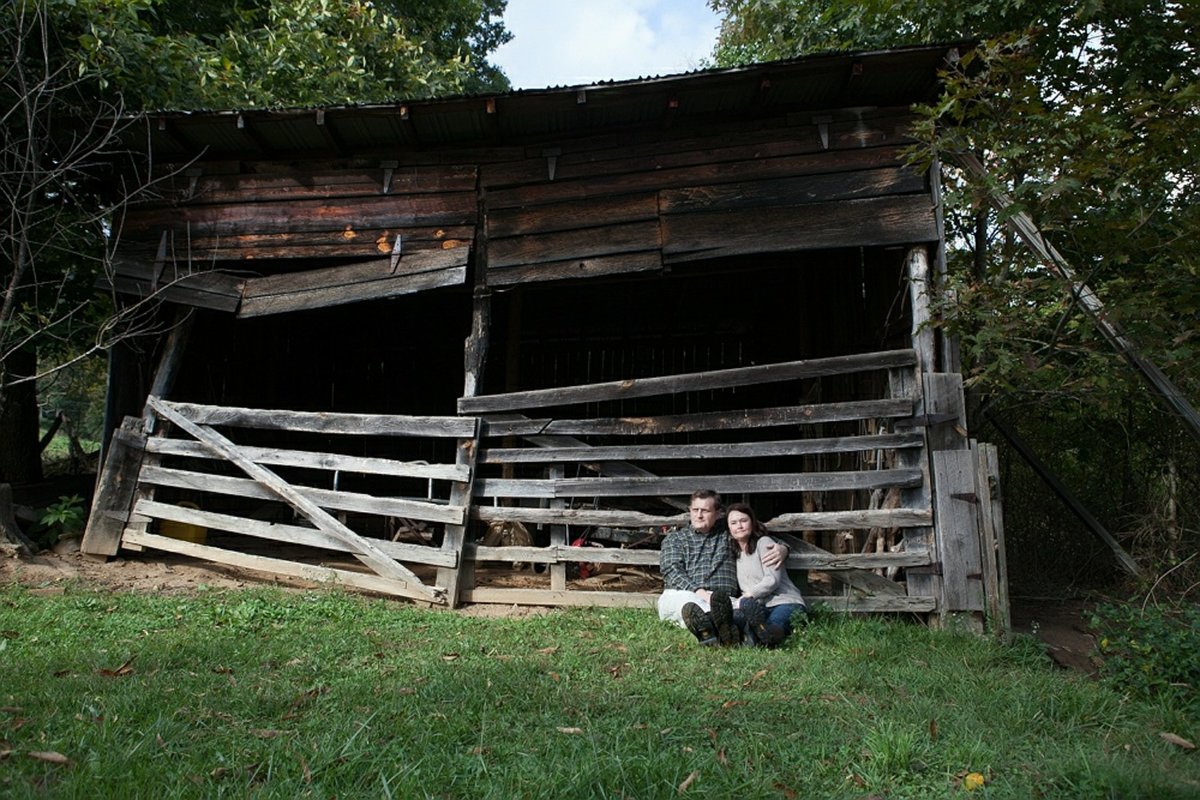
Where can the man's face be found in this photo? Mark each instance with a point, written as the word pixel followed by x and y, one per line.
pixel 704 514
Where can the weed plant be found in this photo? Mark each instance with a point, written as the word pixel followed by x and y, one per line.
pixel 1152 651
pixel 267 694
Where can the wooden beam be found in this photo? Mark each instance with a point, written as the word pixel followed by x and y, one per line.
pixel 689 423
pixel 689 382
pixel 547 597
pixel 279 566
pixel 862 519
pixel 860 580
pixel 790 447
pixel 957 530
pixel 312 460
pixel 1067 496
pixel 326 421
pixel 642 487
pixel 362 548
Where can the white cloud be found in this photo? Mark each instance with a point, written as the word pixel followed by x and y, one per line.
pixel 567 42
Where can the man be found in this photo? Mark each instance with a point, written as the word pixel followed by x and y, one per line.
pixel 697 562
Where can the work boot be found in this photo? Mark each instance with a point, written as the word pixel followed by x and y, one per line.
pixel 763 633
pixel 722 616
pixel 700 624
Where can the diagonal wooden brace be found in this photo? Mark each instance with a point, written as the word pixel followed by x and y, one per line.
pixel 366 552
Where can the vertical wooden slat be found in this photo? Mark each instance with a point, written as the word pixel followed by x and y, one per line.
pixel 113 500
pixel 558 535
pixel 991 537
pixel 917 260
pixel 957 531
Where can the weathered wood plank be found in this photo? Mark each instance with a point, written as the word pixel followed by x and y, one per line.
pixel 561 553
pixel 957 534
pixel 197 248
pixel 234 219
pixel 114 495
pixel 213 290
pixel 590 213
pixel 861 519
pixel 588 267
pixel 312 460
pixel 792 191
pixel 701 174
pixel 309 182
pixel 547 597
pixel 338 500
pixel 867 222
pixel 874 604
pixel 688 382
pixel 362 548
pixel 650 452
pixel 394 286
pixel 278 566
pixel 992 509
pixel 575 516
pixel 628 237
pixel 641 487
pixel 812 520
pixel 326 421
pixel 349 275
pixel 290 534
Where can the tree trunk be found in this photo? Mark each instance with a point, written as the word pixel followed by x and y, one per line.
pixel 20 457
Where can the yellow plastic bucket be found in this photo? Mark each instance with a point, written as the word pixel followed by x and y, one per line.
pixel 186 531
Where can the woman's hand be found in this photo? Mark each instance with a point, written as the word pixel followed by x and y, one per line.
pixel 774 556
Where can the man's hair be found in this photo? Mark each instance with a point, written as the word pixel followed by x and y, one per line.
pixel 706 494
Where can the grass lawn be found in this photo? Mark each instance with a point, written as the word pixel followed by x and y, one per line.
pixel 266 694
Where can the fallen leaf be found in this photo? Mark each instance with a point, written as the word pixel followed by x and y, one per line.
pixel 553 676
pixel 972 781
pixel 119 672
pixel 722 759
pixel 688 749
pixel 787 791
pixel 1178 741
pixel 265 733
pixel 933 729
pixel 158 740
pixel 665 731
pixel 683 787
pixel 406 690
pixel 479 751
pixel 10 710
pixel 5 754
pixel 49 756
pixel 450 657
pixel 548 651
pixel 732 703
pixel 753 678
pixel 712 734
pixel 222 670
pixel 217 773
pixel 570 730
pixel 304 769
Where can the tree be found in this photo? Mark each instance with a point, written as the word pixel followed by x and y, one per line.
pixel 1087 114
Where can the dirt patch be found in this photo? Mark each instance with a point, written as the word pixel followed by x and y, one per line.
pixel 1060 624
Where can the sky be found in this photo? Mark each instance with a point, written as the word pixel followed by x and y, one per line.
pixel 572 42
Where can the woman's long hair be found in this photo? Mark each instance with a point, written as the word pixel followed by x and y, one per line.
pixel 757 530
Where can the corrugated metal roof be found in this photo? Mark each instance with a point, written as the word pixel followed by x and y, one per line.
pixel 838 80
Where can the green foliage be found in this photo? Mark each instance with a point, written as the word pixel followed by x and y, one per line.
pixel 64 517
pixel 281 695
pixel 272 53
pixel 1151 652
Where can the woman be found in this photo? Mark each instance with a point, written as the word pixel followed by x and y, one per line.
pixel 769 598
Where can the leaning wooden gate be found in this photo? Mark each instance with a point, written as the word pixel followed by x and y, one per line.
pixel 190 472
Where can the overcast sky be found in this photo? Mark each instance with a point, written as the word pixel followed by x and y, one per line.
pixel 569 42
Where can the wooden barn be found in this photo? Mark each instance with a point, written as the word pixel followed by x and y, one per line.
pixel 482 349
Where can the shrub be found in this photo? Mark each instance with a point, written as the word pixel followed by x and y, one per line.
pixel 1152 652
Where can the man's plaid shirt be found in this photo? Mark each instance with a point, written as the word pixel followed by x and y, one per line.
pixel 692 561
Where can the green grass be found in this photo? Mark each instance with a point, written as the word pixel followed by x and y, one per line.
pixel 268 694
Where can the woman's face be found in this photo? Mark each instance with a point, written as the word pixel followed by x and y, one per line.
pixel 740 527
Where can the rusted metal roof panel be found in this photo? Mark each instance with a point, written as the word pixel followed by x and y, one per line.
pixel 840 80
